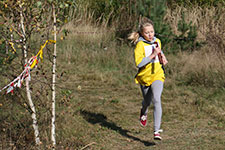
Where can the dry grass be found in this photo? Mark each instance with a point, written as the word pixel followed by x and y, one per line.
pixel 89 34
pixel 206 19
pixel 205 68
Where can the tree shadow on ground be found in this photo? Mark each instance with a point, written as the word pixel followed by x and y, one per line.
pixel 101 119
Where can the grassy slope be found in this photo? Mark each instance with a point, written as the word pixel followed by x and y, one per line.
pixel 99 104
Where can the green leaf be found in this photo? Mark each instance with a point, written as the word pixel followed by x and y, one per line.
pixel 66 5
pixel 61 6
pixel 39 4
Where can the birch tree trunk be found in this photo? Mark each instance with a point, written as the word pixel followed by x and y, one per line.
pixel 53 82
pixel 33 115
pixel 6 48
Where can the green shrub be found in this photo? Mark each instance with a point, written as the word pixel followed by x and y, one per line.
pixel 187 39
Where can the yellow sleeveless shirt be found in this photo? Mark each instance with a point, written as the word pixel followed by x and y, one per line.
pixel 152 71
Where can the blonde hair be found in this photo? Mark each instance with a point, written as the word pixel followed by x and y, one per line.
pixel 143 22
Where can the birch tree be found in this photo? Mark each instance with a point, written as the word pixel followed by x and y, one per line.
pixel 29 18
pixel 13 15
pixel 53 81
pixel 21 17
pixel 63 18
pixel 33 113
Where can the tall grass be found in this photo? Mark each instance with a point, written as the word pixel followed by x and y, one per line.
pixel 204 66
pixel 200 72
pixel 209 20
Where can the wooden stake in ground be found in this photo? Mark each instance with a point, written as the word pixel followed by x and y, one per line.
pixel 53 82
pixel 33 115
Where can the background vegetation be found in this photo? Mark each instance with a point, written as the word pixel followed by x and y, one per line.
pixel 98 102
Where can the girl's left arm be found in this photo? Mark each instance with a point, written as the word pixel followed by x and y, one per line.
pixel 164 60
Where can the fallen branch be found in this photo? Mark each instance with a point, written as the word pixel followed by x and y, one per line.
pixel 87 145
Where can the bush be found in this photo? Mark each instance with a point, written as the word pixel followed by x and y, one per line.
pixel 187 39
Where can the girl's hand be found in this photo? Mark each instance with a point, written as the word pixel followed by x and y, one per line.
pixel 157 50
pixel 164 60
pixel 155 53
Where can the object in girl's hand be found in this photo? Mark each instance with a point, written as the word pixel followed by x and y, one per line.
pixel 159 55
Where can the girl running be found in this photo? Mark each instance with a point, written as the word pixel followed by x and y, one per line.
pixel 149 60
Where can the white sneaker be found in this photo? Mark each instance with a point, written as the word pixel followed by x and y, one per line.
pixel 157 135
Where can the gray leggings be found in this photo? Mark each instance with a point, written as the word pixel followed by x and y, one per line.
pixel 151 94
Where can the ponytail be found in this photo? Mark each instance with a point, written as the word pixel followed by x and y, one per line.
pixel 134 36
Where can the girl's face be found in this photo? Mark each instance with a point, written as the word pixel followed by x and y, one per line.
pixel 148 33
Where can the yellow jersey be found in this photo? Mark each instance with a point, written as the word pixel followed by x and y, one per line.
pixel 152 71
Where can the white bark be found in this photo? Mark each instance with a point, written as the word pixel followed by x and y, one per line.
pixel 53 83
pixel 6 48
pixel 33 115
